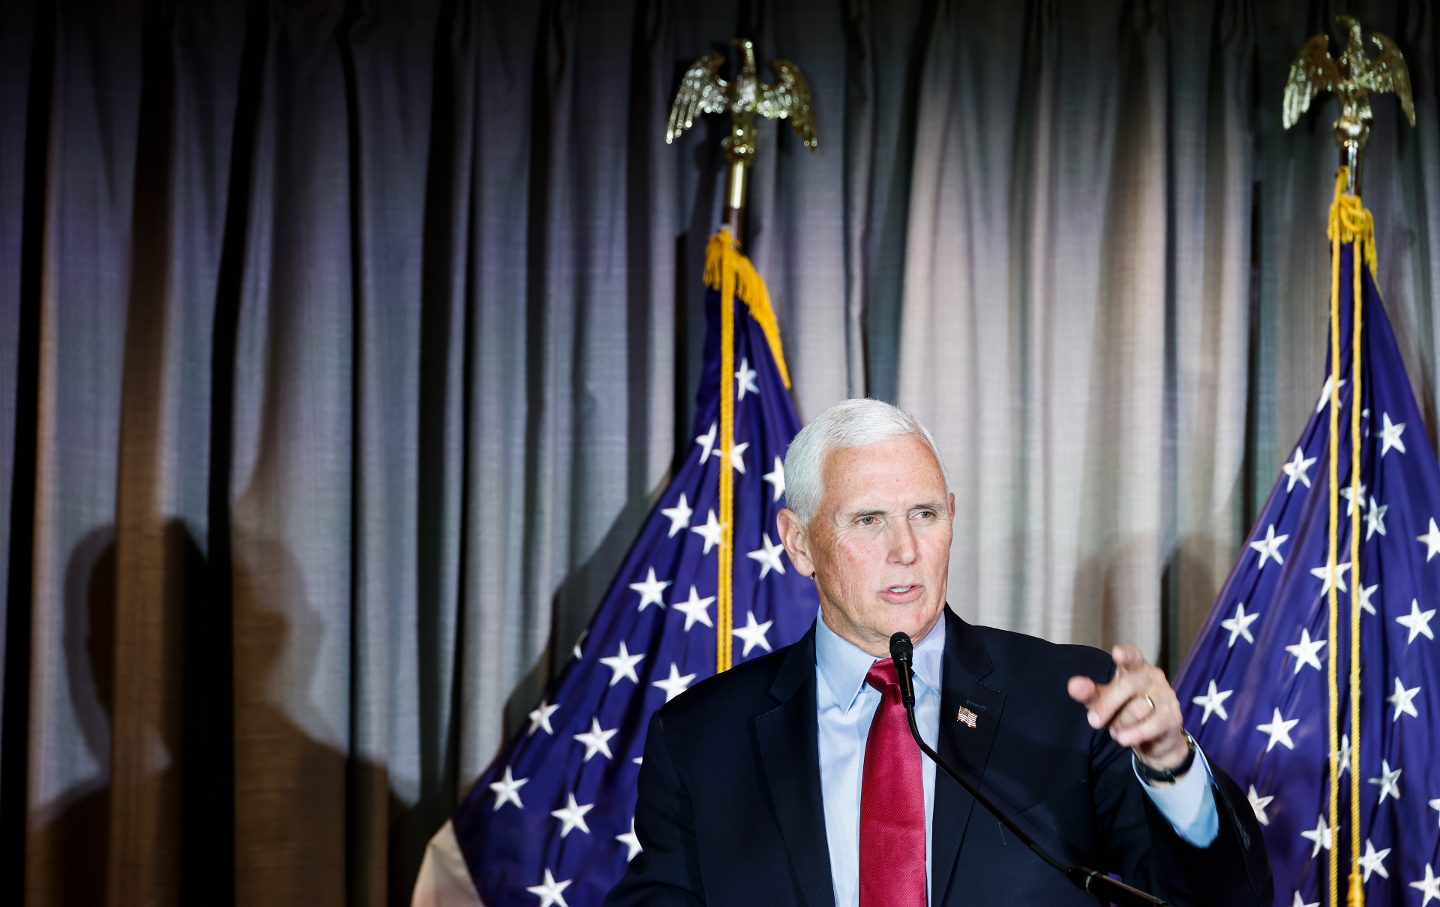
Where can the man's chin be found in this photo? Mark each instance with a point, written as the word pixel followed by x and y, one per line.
pixel 917 630
pixel 921 629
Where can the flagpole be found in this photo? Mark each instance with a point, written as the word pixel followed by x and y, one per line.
pixel 736 186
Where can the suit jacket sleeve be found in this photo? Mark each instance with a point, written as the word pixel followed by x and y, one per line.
pixel 1233 869
pixel 1144 847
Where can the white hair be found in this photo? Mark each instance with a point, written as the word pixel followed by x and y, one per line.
pixel 849 423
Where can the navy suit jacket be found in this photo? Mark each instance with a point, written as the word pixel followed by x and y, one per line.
pixel 730 810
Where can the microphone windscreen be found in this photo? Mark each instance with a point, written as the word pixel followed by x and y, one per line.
pixel 901 648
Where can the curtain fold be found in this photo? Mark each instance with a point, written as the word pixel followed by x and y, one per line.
pixel 343 347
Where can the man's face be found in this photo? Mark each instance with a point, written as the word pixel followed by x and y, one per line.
pixel 879 546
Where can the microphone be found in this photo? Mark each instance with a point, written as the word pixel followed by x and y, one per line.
pixel 1092 881
pixel 902 652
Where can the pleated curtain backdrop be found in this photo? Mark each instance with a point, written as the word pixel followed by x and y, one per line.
pixel 344 346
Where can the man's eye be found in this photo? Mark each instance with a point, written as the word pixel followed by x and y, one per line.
pixel 868 520
pixel 925 514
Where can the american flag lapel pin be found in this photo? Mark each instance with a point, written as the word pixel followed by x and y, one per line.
pixel 966 717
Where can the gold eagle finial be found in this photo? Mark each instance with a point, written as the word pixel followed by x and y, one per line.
pixel 702 91
pixel 1351 78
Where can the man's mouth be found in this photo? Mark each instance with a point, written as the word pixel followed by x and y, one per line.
pixel 902 593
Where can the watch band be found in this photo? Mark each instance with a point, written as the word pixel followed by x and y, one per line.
pixel 1167 775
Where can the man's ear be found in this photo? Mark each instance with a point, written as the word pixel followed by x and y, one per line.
pixel 795 540
pixel 952 506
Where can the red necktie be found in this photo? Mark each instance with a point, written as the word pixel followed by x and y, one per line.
pixel 892 803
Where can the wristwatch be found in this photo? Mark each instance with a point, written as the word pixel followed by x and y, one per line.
pixel 1167 775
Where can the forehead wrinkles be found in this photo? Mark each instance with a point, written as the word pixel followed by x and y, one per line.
pixel 897 459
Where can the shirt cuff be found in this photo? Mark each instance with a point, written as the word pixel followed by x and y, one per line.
pixel 1188 804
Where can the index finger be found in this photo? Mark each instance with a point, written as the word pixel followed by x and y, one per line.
pixel 1128 658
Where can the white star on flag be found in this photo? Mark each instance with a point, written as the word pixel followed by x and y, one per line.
pixel 1403 700
pixel 1390 435
pixel 632 843
pixel 695 609
pixel 753 634
pixel 768 556
pixel 1306 651
pixel 1323 573
pixel 507 789
pixel 1300 902
pixel 710 532
pixel 1388 782
pixel 707 442
pixel 540 718
pixel 1375 518
pixel 674 685
pixel 745 380
pixel 1435 805
pixel 549 891
pixel 1269 547
pixel 1342 757
pixel 1298 470
pixel 1417 622
pixel 651 588
pixel 622 665
pixel 596 740
pixel 1366 592
pixel 679 515
pixel 737 457
pixel 573 816
pixel 1431 540
pixel 1374 860
pixel 1279 730
pixel 1325 393
pixel 1348 494
pixel 1239 625
pixel 1214 703
pixel 776 478
pixel 1320 834
pixel 1428 886
pixel 1258 803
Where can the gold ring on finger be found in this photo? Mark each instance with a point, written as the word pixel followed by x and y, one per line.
pixel 1150 701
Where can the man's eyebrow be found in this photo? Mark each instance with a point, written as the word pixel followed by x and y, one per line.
pixel 864 512
pixel 928 505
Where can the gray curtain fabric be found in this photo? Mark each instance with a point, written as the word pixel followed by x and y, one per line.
pixel 343 346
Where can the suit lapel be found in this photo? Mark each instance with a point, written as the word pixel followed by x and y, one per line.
pixel 790 753
pixel 968 749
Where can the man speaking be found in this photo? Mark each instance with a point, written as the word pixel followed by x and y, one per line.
pixel 793 779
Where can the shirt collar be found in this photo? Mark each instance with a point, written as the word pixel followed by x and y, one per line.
pixel 842 665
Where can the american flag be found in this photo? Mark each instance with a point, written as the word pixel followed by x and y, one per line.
pixel 551 822
pixel 1255 686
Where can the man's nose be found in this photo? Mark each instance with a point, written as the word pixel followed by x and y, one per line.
pixel 903 549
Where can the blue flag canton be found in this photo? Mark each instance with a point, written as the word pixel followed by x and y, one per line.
pixel 552 820
pixel 1255 687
